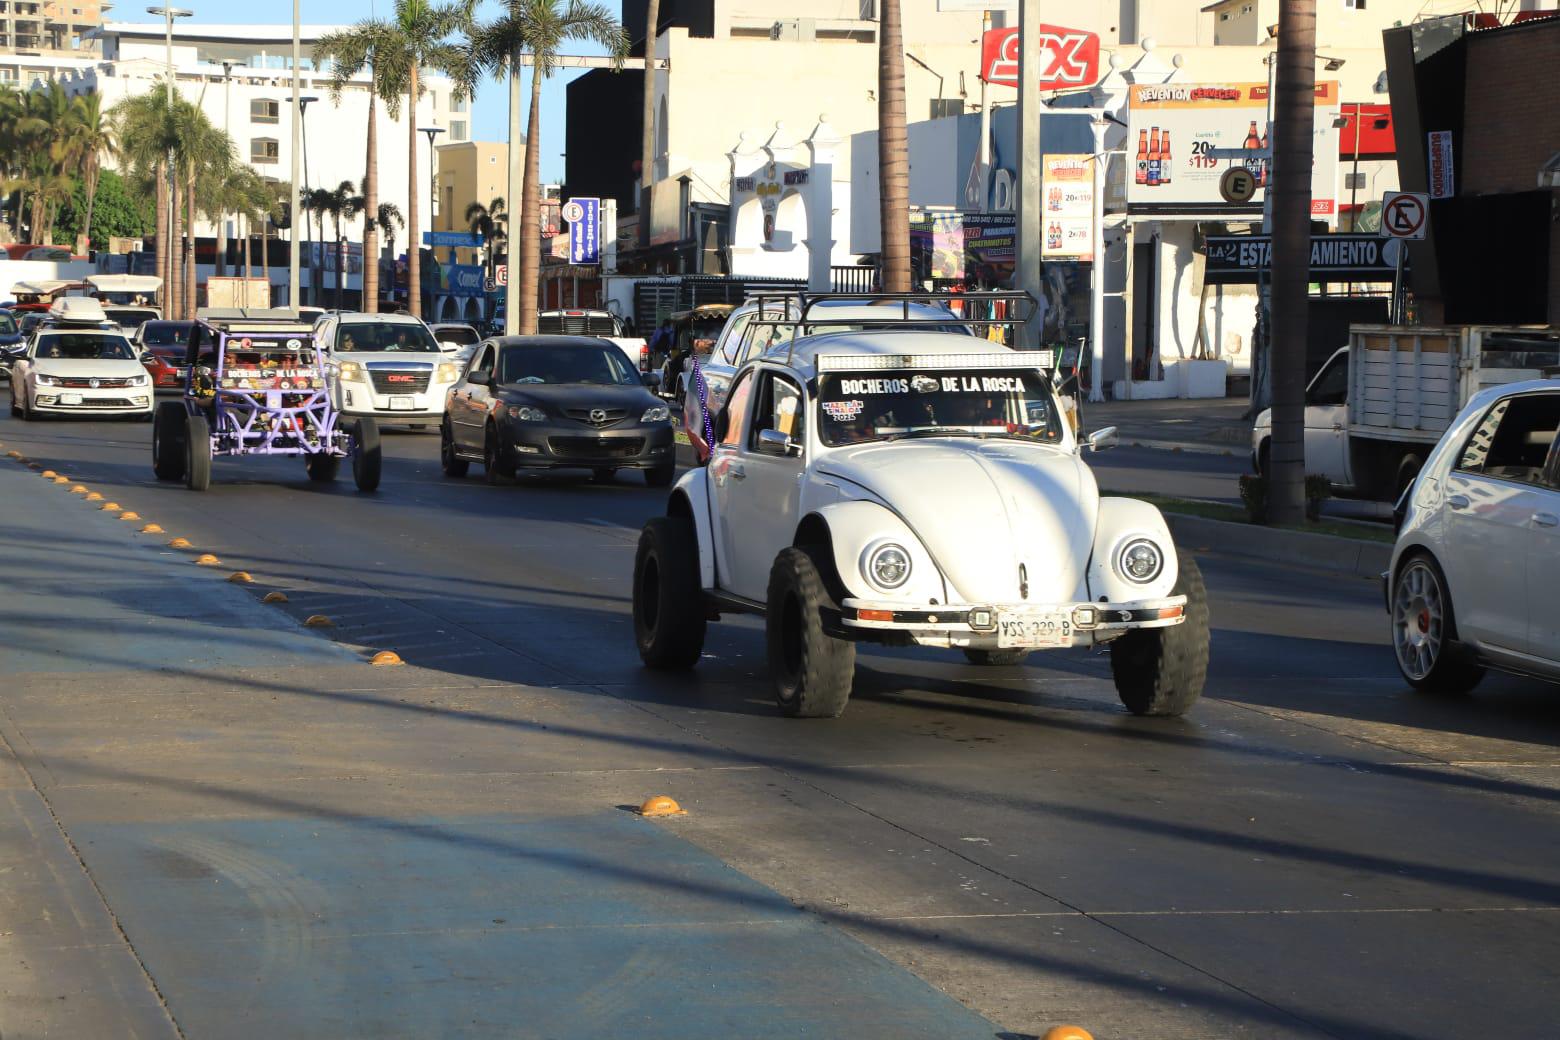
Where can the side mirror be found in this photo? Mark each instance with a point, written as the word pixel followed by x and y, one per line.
pixel 651 379
pixel 773 442
pixel 1101 439
pixel 481 377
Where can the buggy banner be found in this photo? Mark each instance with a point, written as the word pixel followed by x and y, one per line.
pixel 1246 259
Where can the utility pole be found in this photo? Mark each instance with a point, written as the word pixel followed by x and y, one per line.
pixel 647 130
pixel 1031 235
pixel 297 154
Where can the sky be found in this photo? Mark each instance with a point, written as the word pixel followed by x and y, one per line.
pixel 490 111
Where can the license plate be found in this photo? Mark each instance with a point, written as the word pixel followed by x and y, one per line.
pixel 70 399
pixel 400 404
pixel 1033 630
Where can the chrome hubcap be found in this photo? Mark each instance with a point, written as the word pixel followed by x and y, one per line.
pixel 1418 619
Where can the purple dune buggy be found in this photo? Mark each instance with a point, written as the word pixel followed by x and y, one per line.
pixel 256 385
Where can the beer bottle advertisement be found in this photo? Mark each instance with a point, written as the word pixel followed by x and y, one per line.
pixel 1068 183
pixel 1174 129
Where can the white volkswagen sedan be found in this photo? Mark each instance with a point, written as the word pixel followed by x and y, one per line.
pixel 1477 561
pixel 78 368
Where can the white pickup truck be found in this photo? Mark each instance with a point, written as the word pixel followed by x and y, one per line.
pixel 1376 409
pixel 601 324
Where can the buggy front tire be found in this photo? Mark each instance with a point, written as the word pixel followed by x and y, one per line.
pixel 669 609
pixel 367 457
pixel 197 455
pixel 1161 671
pixel 168 441
pixel 322 467
pixel 812 672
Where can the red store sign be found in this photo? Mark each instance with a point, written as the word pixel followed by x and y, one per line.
pixel 1069 58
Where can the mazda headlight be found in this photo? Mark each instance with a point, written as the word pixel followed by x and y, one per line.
pixel 525 413
pixel 660 413
pixel 887 566
pixel 1140 561
pixel 352 370
pixel 43 380
pixel 447 373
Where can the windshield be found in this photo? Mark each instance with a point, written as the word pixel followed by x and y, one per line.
pixel 767 334
pixel 889 405
pixel 384 336
pixel 165 334
pixel 128 317
pixel 84 346
pixel 599 366
pixel 7 324
pixel 458 334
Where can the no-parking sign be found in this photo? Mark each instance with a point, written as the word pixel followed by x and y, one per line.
pixel 1404 214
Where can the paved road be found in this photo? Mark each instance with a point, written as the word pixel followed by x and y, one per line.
pixel 221 824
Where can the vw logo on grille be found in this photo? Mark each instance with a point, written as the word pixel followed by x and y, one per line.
pixel 95 383
pixel 598 415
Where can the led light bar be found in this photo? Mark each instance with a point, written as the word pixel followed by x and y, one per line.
pixel 889 362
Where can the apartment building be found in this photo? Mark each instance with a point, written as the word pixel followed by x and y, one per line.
pixel 48 26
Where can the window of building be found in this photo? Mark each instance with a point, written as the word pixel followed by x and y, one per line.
pixel 264 110
pixel 457 129
pixel 264 150
pixel 458 104
pixel 1354 5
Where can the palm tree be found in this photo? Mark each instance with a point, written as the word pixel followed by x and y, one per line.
pixel 1291 203
pixel 90 139
pixel 647 124
pixel 344 203
pixel 316 201
pixel 418 38
pixel 387 220
pixel 349 52
pixel 491 222
pixel 537 28
pixel 147 135
pixel 893 151
pixel 203 151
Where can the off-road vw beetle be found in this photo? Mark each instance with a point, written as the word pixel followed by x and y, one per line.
pixel 913 488
pixel 256 385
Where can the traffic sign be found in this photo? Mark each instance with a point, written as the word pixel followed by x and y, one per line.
pixel 584 217
pixel 1404 214
pixel 501 274
pixel 452 239
pixel 1238 184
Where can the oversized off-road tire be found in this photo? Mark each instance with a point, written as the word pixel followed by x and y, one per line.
pixel 197 453
pixel 1424 631
pixel 811 671
pixel 995 658
pixel 168 450
pixel 661 476
pixel 494 468
pixel 322 467
pixel 1161 671
pixel 453 464
pixel 367 458
pixel 669 611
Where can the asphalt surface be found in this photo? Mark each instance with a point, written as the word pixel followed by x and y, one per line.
pixel 217 823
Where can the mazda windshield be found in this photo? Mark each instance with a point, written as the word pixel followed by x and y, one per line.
pixel 83 346
pixel 605 366
pixel 894 404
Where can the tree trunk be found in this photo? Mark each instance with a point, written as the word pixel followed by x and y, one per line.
pixel 222 244
pixel 90 177
pixel 340 264
pixel 371 206
pixel 517 190
pixel 413 257
pixel 1293 116
pixel 189 266
pixel 893 152
pixel 175 250
pixel 530 245
pixel 265 248
pixel 249 251
pixel 161 238
pixel 647 134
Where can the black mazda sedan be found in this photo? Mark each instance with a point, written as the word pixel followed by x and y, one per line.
pixel 555 402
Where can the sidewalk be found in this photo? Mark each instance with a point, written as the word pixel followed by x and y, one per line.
pixel 1212 425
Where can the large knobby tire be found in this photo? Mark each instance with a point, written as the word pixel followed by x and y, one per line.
pixel 168 450
pixel 812 671
pixel 197 454
pixel 669 611
pixel 322 467
pixel 1424 631
pixel 1161 671
pixel 367 458
pixel 995 658
pixel 661 476
pixel 453 464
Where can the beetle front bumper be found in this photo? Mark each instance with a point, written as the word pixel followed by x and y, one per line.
pixel 1004 626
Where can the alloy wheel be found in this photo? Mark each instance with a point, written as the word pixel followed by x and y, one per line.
pixel 1419 612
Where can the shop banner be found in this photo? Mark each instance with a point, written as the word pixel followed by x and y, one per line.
pixel 1172 128
pixel 977 249
pixel 1068 185
pixel 1246 259
pixel 1069 58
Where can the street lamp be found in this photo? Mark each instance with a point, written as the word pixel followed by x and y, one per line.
pixel 228 65
pixel 169 14
pixel 433 189
pixel 303 125
pixel 292 246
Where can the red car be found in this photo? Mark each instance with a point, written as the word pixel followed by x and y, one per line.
pixel 163 346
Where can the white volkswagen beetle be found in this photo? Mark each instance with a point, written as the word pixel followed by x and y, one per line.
pixel 914 488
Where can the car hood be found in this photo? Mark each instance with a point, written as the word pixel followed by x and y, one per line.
pixel 995 507
pixel 414 357
pixel 555 398
pixel 67 368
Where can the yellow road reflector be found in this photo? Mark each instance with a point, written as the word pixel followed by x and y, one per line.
pixel 180 543
pixel 130 515
pixel 1067 1033
pixel 241 578
pixel 93 496
pixel 110 507
pixel 14 454
pixel 274 597
pixel 49 474
pixel 661 805
pixel 385 658
pixel 62 479
pixel 152 529
pixel 78 490
pixel 318 621
pixel 207 560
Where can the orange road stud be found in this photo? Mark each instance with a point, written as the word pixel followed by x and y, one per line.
pixel 180 543
pixel 317 621
pixel 49 474
pixel 386 658
pixel 78 490
pixel 1067 1033
pixel 110 507
pixel 661 805
pixel 14 454
pixel 207 560
pixel 274 597
pixel 130 515
pixel 94 496
pixel 241 578
pixel 62 479
pixel 152 529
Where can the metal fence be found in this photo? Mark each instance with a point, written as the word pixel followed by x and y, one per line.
pixel 854 278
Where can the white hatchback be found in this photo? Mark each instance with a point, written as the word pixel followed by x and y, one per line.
pixel 1477 560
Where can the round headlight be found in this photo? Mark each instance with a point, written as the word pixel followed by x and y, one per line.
pixel 888 566
pixel 525 413
pixel 1140 561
